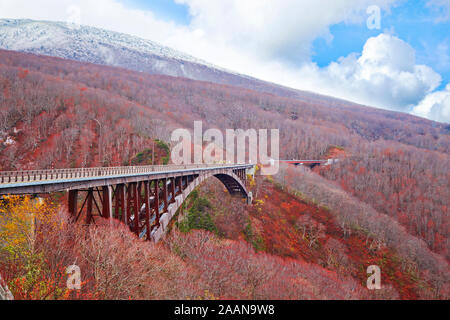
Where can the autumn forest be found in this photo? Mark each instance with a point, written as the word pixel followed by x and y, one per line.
pixel 309 233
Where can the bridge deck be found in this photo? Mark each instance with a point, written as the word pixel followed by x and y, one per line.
pixel 51 180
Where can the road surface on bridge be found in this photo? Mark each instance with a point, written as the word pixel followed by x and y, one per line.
pixel 52 180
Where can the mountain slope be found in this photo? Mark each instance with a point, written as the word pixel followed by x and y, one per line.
pixel 99 46
pixel 92 45
pixel 88 44
pixel 58 113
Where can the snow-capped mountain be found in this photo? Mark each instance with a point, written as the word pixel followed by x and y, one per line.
pixel 94 45
pixel 100 46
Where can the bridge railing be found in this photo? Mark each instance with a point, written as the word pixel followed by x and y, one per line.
pixel 73 173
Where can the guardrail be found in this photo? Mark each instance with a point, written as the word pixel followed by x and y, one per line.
pixel 57 174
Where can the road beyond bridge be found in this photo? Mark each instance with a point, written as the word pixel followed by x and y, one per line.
pixel 310 163
pixel 143 197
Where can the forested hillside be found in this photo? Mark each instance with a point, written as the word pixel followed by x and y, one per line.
pixel 62 113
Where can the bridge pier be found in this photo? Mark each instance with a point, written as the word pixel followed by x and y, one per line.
pixel 107 202
pixel 90 197
pixel 72 203
pixel 147 209
pixel 156 202
pixel 136 207
pixel 165 193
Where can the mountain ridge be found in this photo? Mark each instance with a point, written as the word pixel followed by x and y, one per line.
pixel 111 48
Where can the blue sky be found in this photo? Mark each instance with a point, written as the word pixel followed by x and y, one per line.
pixel 412 21
pixel 166 9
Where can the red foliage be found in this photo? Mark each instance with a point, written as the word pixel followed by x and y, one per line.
pixel 22 74
pixel 61 113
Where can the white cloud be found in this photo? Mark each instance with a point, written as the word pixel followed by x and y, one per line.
pixel 223 32
pixel 267 39
pixel 435 106
pixel 107 14
pixel 384 75
pixel 281 30
pixel 442 7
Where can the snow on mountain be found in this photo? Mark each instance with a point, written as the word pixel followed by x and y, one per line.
pixel 94 45
pixel 89 44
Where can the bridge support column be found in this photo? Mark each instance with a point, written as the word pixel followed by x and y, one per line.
pixel 73 198
pixel 147 209
pixel 172 189
pixel 165 194
pixel 180 185
pixel 107 202
pixel 123 203
pixel 129 205
pixel 136 208
pixel 90 198
pixel 120 202
pixel 156 202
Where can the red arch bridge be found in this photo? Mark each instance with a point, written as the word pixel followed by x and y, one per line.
pixel 143 197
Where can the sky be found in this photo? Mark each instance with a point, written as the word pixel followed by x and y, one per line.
pixel 391 54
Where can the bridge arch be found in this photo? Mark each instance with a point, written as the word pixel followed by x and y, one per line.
pixel 233 184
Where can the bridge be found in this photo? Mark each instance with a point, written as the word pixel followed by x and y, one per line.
pixel 143 197
pixel 310 163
